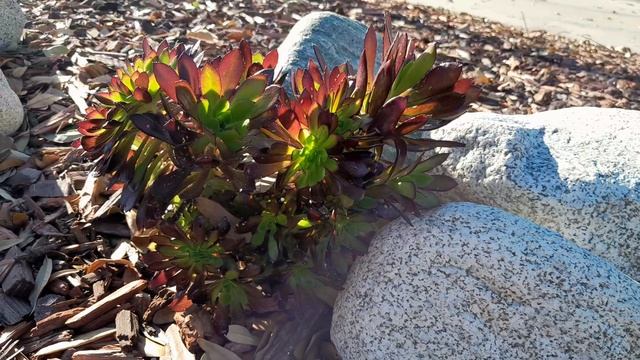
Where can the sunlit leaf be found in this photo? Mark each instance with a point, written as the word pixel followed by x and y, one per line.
pixel 166 78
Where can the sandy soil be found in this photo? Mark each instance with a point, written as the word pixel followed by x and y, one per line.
pixel 608 22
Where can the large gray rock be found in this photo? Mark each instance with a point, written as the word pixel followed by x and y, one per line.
pixel 11 112
pixel 469 281
pixel 576 171
pixel 339 39
pixel 12 22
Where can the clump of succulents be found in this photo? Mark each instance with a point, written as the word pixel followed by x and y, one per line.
pixel 247 191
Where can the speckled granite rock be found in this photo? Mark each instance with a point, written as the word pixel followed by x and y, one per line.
pixel 469 281
pixel 12 22
pixel 11 111
pixel 339 39
pixel 576 171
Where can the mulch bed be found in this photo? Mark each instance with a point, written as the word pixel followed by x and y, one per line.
pixel 71 277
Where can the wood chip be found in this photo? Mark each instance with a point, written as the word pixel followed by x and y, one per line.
pixel 78 341
pixel 101 354
pixel 127 329
pixel 176 346
pixel 109 302
pixel 53 321
pixel 162 299
pixel 38 343
pixel 151 348
pixel 105 318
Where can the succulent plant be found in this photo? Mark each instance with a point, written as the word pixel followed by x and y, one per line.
pixel 250 192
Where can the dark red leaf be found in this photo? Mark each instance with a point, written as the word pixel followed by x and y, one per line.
pixel 146 48
pixel 142 81
pixel 386 35
pixel 320 58
pixel 370 44
pixel 361 77
pixel 158 280
pixel 231 68
pixel 401 52
pixel 142 95
pixel 164 45
pixel 270 60
pixel 381 87
pixel 188 71
pixel 412 125
pixel 418 145
pixel 105 98
pixel 387 118
pixel 166 78
pixel 440 79
pixel 186 97
pixel 314 71
pixel 154 125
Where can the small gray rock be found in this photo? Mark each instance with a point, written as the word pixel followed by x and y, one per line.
pixel 11 111
pixel 12 22
pixel 469 281
pixel 575 171
pixel 339 39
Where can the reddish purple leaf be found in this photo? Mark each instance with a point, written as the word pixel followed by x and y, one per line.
pixel 164 45
pixel 441 78
pixel 307 81
pixel 296 81
pixel 188 71
pixel 154 125
pixel 381 87
pixel 419 145
pixel 321 61
pixel 387 118
pixel 386 35
pixel 270 60
pixel 142 81
pixel 142 95
pixel 105 98
pixel 186 97
pixel 146 48
pixel 314 71
pixel 370 44
pixel 231 68
pixel 166 78
pixel 361 77
pixel 399 59
pixel 412 125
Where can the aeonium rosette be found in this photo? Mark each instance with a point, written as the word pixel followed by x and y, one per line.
pixel 266 190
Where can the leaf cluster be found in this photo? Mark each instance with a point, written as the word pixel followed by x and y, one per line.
pixel 251 192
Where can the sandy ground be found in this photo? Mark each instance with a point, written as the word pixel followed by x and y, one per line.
pixel 608 22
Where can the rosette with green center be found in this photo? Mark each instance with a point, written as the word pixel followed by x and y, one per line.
pixel 311 162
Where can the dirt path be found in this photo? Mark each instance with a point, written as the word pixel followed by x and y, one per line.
pixel 611 22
